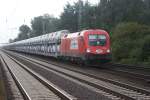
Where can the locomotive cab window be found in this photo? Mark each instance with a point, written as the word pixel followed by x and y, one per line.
pixel 97 40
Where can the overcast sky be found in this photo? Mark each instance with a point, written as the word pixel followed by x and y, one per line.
pixel 14 13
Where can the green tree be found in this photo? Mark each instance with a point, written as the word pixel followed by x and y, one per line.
pixel 112 12
pixel 11 40
pixel 44 24
pixel 145 52
pixel 89 18
pixel 24 29
pixel 81 15
pixel 69 18
pixel 130 43
pixel 37 26
pixel 24 32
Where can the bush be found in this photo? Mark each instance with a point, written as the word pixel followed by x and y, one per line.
pixel 145 53
pixel 131 43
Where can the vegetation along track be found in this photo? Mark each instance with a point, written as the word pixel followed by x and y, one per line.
pixel 32 85
pixel 121 90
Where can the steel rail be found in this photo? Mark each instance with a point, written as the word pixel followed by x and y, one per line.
pixel 61 93
pixel 87 82
pixel 144 91
pixel 19 85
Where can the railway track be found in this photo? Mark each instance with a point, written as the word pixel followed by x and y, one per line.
pixel 31 85
pixel 112 68
pixel 130 71
pixel 120 69
pixel 135 72
pixel 119 90
pixel 137 67
pixel 139 76
pixel 142 77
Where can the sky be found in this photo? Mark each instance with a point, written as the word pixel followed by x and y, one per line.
pixel 14 13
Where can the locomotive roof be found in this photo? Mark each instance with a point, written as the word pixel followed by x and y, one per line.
pixel 77 34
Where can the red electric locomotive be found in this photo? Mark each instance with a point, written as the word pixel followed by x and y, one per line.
pixel 89 46
pixel 86 46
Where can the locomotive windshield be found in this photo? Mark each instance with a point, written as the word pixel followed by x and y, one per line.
pixel 97 40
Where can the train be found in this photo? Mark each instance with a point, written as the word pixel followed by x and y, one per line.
pixel 87 46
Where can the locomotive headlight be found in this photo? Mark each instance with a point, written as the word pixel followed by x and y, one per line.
pixel 108 51
pixel 88 50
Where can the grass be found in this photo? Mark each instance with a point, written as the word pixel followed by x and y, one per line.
pixel 2 85
pixel 2 90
